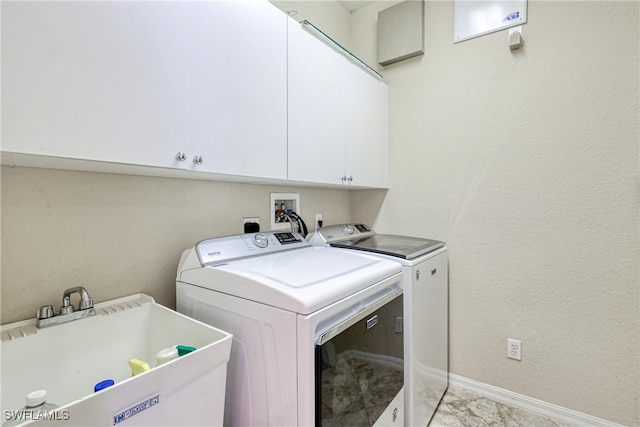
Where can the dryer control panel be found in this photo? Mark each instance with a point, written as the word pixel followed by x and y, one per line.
pixel 220 250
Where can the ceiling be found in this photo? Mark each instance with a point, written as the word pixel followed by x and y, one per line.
pixel 352 5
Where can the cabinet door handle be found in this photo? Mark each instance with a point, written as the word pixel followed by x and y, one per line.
pixel 181 157
pixel 343 178
pixel 350 179
pixel 198 160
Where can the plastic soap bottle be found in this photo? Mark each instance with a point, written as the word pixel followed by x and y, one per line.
pixel 166 355
pixel 36 405
pixel 138 366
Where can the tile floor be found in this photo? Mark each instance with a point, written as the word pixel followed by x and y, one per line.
pixel 463 408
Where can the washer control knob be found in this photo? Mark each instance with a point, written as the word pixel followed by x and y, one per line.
pixel 260 240
pixel 348 229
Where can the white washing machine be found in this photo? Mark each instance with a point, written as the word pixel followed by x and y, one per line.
pixel 315 331
pixel 425 282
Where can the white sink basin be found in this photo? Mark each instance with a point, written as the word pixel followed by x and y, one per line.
pixel 67 360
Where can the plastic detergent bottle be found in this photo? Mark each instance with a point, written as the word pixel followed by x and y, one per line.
pixel 103 384
pixel 138 366
pixel 185 349
pixel 166 355
pixel 36 408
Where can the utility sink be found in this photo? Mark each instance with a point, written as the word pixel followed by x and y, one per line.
pixel 69 359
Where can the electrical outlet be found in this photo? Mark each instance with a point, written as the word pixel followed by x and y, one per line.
pixel 399 325
pixel 247 219
pixel 514 349
pixel 251 224
pixel 318 220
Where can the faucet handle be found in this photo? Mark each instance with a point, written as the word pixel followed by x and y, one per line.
pixel 45 312
pixel 86 303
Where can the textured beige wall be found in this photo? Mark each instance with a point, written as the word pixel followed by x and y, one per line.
pixel 527 164
pixel 117 234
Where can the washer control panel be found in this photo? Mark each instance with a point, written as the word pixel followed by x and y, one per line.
pixel 348 229
pixel 334 233
pixel 260 240
pixel 224 249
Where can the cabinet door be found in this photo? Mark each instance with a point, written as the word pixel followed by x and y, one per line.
pixel 238 87
pixel 316 109
pixel 95 80
pixel 367 129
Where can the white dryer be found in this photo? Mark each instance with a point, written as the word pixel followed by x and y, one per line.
pixel 425 282
pixel 314 329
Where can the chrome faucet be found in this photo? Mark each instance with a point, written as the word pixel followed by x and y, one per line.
pixel 46 314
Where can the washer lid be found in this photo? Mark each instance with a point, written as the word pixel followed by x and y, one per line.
pixel 405 247
pixel 361 237
pixel 300 280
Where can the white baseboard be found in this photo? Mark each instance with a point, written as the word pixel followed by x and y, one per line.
pixel 555 412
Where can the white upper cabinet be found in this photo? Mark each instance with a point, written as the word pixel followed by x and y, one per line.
pixel 338 116
pixel 148 83
pixel 232 89
pixel 367 129
pixel 316 109
pixel 238 87
pixel 100 81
